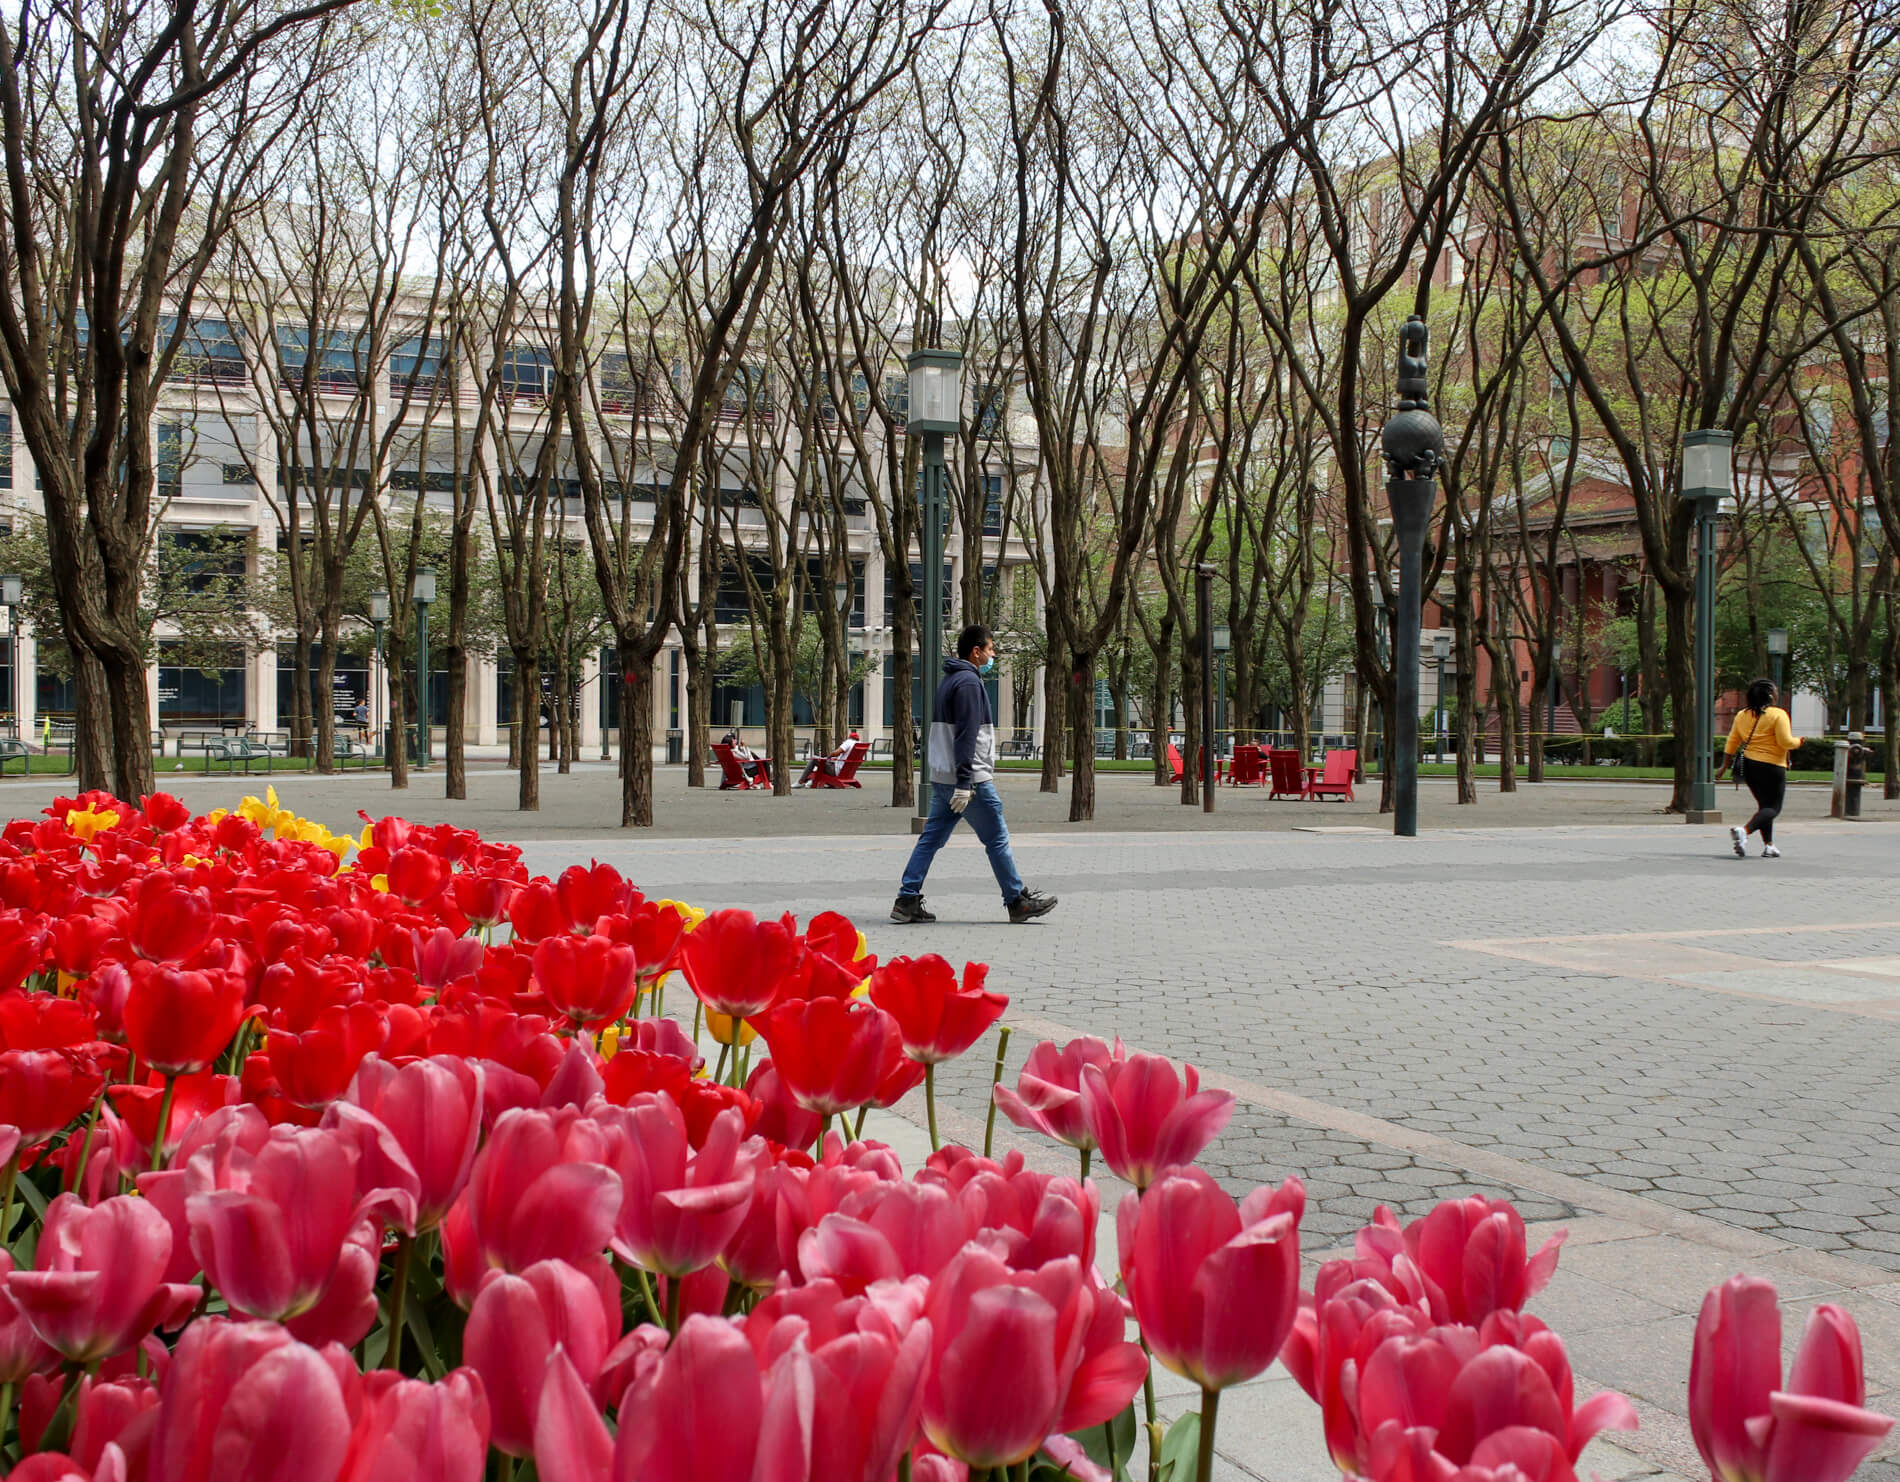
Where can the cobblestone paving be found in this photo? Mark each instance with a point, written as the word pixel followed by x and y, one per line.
pixel 1329 966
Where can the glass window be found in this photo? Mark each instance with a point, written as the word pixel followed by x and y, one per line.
pixel 199 688
pixel 527 372
pixel 209 353
pixel 350 685
pixel 333 360
pixel 993 504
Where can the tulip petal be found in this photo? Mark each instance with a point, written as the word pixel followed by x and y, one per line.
pixel 1828 1363
pixel 571 1443
pixel 1734 1366
pixel 286 1421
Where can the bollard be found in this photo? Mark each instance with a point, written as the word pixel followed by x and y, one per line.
pixel 1839 808
pixel 1857 754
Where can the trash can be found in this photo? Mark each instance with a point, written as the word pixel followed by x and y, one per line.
pixel 675 748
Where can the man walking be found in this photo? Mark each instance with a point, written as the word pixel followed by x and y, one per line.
pixel 962 763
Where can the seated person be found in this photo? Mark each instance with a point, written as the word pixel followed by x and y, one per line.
pixel 833 764
pixel 750 762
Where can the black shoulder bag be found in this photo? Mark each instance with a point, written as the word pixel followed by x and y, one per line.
pixel 1735 762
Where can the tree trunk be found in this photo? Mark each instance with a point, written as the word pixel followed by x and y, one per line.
pixel 131 724
pixel 778 707
pixel 300 720
pixel 1677 658
pixel 636 739
pixel 1504 697
pixel 455 734
pixel 1889 696
pixel 699 677
pixel 326 686
pixel 1192 740
pixel 395 671
pixel 1361 731
pixel 904 764
pixel 1082 736
pixel 1161 704
pixel 1054 703
pixel 528 693
pixel 1649 662
pixel 92 721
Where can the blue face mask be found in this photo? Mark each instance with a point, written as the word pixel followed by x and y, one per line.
pixel 988 664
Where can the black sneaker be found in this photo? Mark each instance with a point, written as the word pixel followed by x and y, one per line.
pixel 909 911
pixel 1028 906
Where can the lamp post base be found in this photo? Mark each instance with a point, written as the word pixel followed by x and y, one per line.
pixel 1702 815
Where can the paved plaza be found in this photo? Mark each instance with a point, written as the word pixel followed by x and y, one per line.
pixel 1685 1058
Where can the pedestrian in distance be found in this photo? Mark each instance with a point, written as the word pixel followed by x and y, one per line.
pixel 962 772
pixel 1759 744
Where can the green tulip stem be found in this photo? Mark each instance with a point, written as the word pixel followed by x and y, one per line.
pixel 398 1291
pixel 857 1128
pixel 646 1291
pixel 79 1178
pixel 824 1126
pixel 674 1285
pixel 1210 1407
pixel 164 1122
pixel 903 1462
pixel 930 1102
pixel 698 1009
pixel 6 1410
pixel 719 1070
pixel 1114 1460
pixel 7 1181
pixel 1148 1407
pixel 1085 1162
pixel 996 1076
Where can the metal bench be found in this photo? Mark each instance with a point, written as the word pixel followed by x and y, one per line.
pixel 346 750
pixel 205 742
pixel 234 749
pixel 12 746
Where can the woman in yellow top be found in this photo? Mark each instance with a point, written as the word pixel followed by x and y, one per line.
pixel 1765 739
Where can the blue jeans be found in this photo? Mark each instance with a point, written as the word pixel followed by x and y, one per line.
pixel 984 814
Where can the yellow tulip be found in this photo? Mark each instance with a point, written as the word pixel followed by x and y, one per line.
pixel 720 1027
pixel 609 1041
pixel 693 915
pixel 89 821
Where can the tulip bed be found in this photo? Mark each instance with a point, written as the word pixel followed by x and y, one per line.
pixel 330 1158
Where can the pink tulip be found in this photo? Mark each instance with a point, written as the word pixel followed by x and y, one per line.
pixel 97 1285
pixel 680 1208
pixel 1214 1286
pixel 539 1191
pixel 1032 1218
pixel 345 1310
pixel 119 1412
pixel 1145 1117
pixel 1048 1094
pixel 1505 1388
pixel 433 1108
pixel 1004 1358
pixel 22 1351
pixel 1472 1254
pixel 408 1431
pixel 571 1443
pixel 56 1466
pixel 1329 1347
pixel 513 1328
pixel 246 1402
pixel 886 1231
pixel 269 1227
pixel 443 958
pixel 1747 1427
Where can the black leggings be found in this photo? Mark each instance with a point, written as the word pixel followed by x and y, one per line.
pixel 1769 784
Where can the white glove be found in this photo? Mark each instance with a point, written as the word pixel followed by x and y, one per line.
pixel 959 800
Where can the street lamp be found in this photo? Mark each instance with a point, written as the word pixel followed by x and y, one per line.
pixel 424 594
pixel 379 619
pixel 10 595
pixel 1777 652
pixel 1441 650
pixel 936 409
pixel 1707 479
pixel 1414 446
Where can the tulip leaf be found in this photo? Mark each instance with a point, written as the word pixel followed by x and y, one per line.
pixel 416 1320
pixel 1096 1438
pixel 1180 1451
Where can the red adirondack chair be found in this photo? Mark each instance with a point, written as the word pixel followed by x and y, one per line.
pixel 1174 761
pixel 848 773
pixel 1288 778
pixel 732 771
pixel 1336 782
pixel 1249 767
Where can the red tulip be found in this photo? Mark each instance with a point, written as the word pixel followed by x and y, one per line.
pixel 193 1098
pixel 315 1068
pixel 178 1022
pixel 246 1402
pixel 1214 1286
pixel 938 1020
pixel 416 876
pixel 654 932
pixel 590 979
pixel 433 1108
pixel 678 1211
pixel 739 966
pixel 164 812
pixel 1472 1254
pixel 80 941
pixel 534 912
pixel 97 1285
pixel 513 1329
pixel 41 1021
pixel 170 924
pixel 483 899
pixel 408 1431
pixel 1004 1357
pixel 1144 1118
pixel 830 1052
pixel 269 1226
pixel 782 1119
pixel 42 1091
pixel 1048 1094
pixel 834 944
pixel 1747 1427
pixel 1029 1218
pixel 56 1466
pixel 538 1191
pixel 22 1351
pixel 23 946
